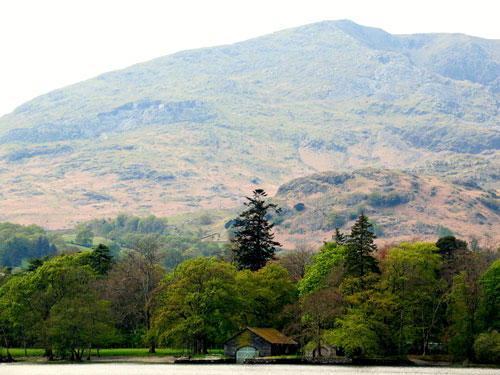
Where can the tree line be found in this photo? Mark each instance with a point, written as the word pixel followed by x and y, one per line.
pixel 411 298
pixel 18 242
pixel 20 245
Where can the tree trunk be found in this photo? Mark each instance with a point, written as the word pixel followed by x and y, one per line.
pixel 152 346
pixel 401 332
pixel 6 344
pixel 49 354
pixel 318 344
pixel 424 333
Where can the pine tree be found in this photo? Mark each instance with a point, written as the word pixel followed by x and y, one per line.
pixel 254 241
pixel 100 259
pixel 339 237
pixel 360 247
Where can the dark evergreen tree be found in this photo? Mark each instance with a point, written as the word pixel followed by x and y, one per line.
pixel 100 259
pixel 450 246
pixel 452 250
pixel 339 237
pixel 359 260
pixel 253 240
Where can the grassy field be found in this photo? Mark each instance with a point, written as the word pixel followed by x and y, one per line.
pixel 19 352
pixel 116 352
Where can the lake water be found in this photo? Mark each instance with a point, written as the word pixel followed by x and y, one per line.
pixel 160 369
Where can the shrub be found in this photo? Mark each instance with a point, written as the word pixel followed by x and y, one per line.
pixel 376 199
pixel 487 347
pixel 205 219
pixel 299 207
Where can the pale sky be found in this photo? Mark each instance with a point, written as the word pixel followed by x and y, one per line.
pixel 47 44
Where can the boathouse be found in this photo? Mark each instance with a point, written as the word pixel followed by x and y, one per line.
pixel 258 342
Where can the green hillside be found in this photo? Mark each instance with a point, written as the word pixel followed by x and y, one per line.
pixel 199 129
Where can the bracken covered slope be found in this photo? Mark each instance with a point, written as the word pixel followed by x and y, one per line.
pixel 199 129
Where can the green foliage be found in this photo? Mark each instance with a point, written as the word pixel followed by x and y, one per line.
pixel 176 249
pixel 19 242
pixel 319 310
pixel 399 303
pixel 118 227
pixel 253 240
pixel 490 283
pixel 84 237
pixel 355 334
pixel 117 352
pixel 359 260
pixel 76 322
pixel 450 246
pixel 262 295
pixel 330 255
pixel 100 259
pixel 34 263
pixel 391 199
pixel 195 309
pixel 126 231
pixel 410 275
pixel 465 307
pixel 206 300
pixel 57 305
pixel 487 347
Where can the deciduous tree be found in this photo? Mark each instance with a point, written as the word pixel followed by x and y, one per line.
pixel 262 295
pixel 410 276
pixel 196 307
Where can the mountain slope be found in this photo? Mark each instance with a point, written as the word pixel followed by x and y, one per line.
pixel 198 129
pixel 401 205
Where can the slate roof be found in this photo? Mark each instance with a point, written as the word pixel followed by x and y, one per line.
pixel 272 336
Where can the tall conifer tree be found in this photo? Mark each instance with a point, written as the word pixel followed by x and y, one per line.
pixel 254 241
pixel 360 247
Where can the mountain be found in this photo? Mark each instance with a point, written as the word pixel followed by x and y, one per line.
pixel 201 128
pixel 402 206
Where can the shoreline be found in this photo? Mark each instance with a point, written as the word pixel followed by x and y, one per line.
pixel 172 360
